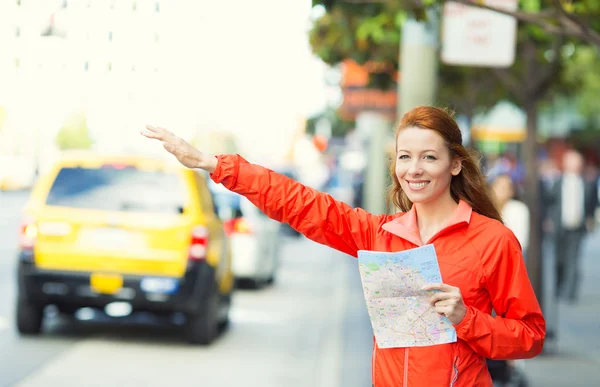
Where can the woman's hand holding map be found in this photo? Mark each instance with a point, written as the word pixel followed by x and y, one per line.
pixel 447 301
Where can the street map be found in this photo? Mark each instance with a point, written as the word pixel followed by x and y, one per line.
pixel 400 312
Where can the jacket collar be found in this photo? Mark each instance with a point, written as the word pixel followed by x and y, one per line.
pixel 406 227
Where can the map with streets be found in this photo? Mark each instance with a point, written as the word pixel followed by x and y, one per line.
pixel 399 310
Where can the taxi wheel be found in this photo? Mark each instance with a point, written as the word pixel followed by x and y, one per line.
pixel 225 322
pixel 271 280
pixel 202 328
pixel 29 317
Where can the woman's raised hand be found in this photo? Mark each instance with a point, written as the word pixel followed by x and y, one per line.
pixel 182 150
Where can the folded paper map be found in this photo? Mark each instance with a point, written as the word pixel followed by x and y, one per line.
pixel 400 312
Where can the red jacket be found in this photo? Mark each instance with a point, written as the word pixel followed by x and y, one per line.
pixel 477 254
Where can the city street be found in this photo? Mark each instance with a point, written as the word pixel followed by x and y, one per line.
pixel 574 359
pixel 309 329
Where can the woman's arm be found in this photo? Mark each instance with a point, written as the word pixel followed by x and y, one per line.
pixel 518 329
pixel 315 214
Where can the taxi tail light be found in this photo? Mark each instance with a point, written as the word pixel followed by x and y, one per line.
pixel 28 232
pixel 199 245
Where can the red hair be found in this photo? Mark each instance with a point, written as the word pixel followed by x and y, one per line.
pixel 469 185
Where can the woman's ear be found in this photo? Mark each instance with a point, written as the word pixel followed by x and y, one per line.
pixel 456 167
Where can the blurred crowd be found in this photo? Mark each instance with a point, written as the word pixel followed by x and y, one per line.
pixel 569 202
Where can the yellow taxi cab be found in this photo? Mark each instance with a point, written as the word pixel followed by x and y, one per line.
pixel 100 230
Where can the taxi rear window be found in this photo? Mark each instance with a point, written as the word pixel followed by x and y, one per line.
pixel 118 188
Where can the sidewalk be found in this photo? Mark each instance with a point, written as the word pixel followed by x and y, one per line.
pixel 576 361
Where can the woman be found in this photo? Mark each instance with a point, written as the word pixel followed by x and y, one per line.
pixel 514 212
pixel 443 201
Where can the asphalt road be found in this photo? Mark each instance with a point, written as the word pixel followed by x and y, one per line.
pixel 309 329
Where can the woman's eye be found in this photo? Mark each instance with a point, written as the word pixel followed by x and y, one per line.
pixel 402 157
pixel 430 157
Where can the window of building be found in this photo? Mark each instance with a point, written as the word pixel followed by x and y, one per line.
pixel 17 31
pixel 157 6
pixel 65 3
pixel 134 5
pixel 109 67
pixel 17 62
pixel 86 66
pixel 18 3
pixel 110 36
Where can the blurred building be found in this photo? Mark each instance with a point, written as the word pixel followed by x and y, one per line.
pixel 191 66
pixel 104 57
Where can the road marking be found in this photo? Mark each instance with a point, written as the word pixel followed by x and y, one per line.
pixel 3 323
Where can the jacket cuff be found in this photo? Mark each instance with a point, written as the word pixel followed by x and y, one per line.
pixel 463 327
pixel 217 175
pixel 227 169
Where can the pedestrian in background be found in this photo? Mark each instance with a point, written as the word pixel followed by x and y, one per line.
pixel 572 205
pixel 443 200
pixel 515 213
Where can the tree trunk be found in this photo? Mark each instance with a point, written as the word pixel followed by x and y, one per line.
pixel 530 151
pixel 532 198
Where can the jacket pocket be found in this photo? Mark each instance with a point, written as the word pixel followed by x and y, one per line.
pixel 455 371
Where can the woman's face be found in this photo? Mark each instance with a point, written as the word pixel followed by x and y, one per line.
pixel 423 165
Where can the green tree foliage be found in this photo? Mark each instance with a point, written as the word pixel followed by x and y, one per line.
pixel 582 72
pixel 369 29
pixel 579 19
pixel 468 90
pixel 537 75
pixel 74 134
pixel 363 32
pixel 371 32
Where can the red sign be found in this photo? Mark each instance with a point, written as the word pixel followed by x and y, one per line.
pixel 358 96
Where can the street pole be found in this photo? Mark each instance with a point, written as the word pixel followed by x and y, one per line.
pixel 375 128
pixel 419 58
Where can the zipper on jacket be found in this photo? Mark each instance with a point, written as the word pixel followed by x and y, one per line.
pixel 454 371
pixel 405 381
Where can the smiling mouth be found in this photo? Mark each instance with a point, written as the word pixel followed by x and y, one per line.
pixel 417 185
